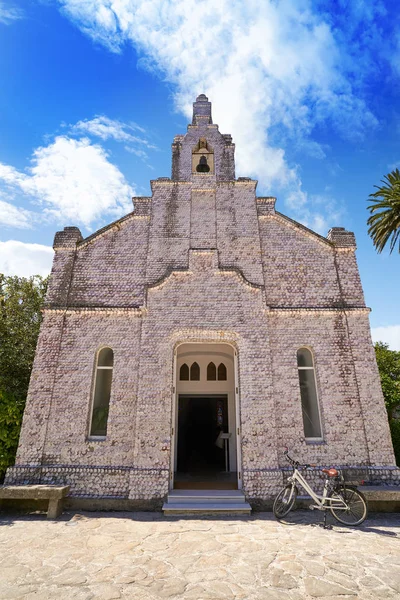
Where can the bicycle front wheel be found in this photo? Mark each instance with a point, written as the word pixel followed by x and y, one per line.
pixel 284 501
pixel 355 511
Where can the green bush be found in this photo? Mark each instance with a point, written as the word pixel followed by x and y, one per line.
pixel 21 300
pixel 395 431
pixel 11 411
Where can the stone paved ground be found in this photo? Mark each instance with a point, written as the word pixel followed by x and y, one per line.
pixel 145 556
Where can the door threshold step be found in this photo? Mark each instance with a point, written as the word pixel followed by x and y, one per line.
pixel 183 508
pixel 208 492
pixel 201 496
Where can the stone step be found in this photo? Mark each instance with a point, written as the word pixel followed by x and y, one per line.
pixel 202 496
pixel 185 508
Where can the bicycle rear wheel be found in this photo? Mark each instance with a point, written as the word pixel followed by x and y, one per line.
pixel 356 511
pixel 284 501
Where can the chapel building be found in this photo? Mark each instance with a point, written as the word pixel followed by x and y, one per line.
pixel 185 345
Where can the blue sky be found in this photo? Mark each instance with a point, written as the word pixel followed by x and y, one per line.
pixel 92 93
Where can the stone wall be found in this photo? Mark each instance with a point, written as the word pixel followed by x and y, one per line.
pixel 194 306
pixel 342 395
pixel 299 268
pixel 237 229
pixel 36 415
pixel 374 416
pixel 110 268
pixel 70 410
pixel 139 428
pixel 202 260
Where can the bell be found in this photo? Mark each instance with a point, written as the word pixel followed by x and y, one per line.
pixel 202 167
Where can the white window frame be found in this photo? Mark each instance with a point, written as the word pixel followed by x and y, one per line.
pixel 99 438
pixel 310 439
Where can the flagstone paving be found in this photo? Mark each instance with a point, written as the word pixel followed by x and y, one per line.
pixel 146 556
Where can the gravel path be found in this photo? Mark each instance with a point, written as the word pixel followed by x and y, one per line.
pixel 146 556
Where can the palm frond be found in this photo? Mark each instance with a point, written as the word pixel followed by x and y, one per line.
pixel 384 222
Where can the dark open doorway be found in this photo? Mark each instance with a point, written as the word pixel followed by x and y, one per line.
pixel 202 459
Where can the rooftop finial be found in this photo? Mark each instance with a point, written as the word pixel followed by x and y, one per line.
pixel 201 111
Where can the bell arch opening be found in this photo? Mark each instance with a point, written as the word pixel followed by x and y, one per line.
pixel 205 453
pixel 203 158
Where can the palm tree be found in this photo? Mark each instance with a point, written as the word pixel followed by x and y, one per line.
pixel 385 224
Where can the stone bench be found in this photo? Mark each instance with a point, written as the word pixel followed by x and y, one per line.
pixel 53 493
pixel 380 498
pixel 385 498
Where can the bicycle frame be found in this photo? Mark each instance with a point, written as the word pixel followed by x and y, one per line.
pixel 323 502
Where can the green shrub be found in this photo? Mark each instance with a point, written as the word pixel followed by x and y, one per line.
pixel 11 412
pixel 395 431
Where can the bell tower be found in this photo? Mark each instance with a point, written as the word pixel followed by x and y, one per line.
pixel 203 207
pixel 202 111
pixel 203 151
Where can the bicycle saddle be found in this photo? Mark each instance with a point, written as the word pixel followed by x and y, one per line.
pixel 331 472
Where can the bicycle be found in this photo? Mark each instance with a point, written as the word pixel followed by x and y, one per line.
pixel 346 503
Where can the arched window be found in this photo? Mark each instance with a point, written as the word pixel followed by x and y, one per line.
pixel 102 392
pixel 221 372
pixel 184 373
pixel 211 372
pixel 195 372
pixel 308 393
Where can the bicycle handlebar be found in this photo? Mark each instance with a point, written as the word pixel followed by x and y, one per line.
pixel 295 463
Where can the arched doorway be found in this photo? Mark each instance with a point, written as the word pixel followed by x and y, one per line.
pixel 206 449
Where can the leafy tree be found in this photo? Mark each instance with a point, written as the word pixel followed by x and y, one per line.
pixel 389 371
pixel 395 431
pixel 11 411
pixel 384 221
pixel 21 301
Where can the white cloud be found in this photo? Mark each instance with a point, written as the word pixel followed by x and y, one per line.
pixel 139 153
pixel 11 176
pixel 273 70
pixel 389 335
pixel 24 260
pixel 106 128
pixel 318 212
pixel 14 216
pixel 8 14
pixel 73 181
